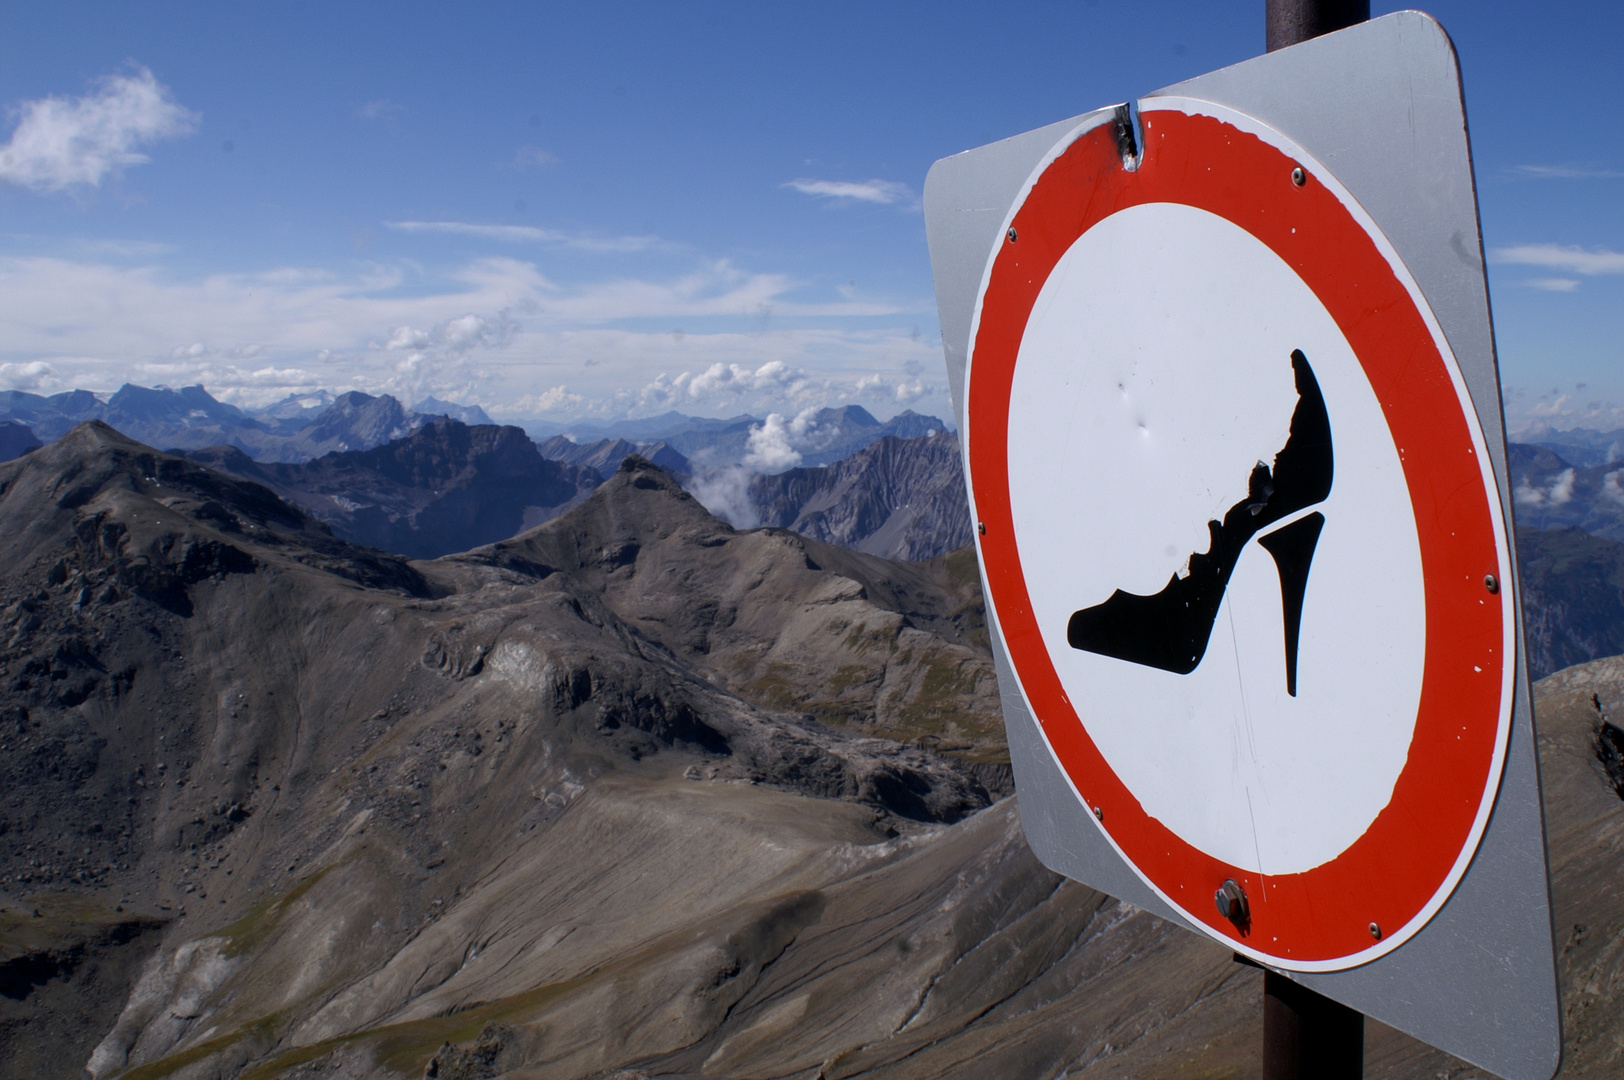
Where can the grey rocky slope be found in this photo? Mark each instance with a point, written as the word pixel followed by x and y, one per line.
pixel 206 689
pixel 1572 597
pixel 897 498
pixel 540 810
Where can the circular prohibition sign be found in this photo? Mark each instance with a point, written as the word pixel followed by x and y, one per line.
pixel 1382 881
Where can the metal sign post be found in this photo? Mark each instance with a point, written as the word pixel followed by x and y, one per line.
pixel 1307 1035
pixel 1226 387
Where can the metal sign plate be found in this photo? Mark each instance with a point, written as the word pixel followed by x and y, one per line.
pixel 1245 322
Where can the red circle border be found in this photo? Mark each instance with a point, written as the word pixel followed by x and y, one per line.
pixel 1392 872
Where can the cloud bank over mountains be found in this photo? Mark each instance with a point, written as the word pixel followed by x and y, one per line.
pixel 494 331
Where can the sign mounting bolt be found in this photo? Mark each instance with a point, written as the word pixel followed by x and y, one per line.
pixel 981 527
pixel 1231 901
pixel 1376 931
pixel 1011 234
pixel 1491 583
pixel 1099 813
pixel 1299 177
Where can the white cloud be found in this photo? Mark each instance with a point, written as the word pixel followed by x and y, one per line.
pixel 1569 259
pixel 378 109
pixel 60 143
pixel 768 447
pixel 1530 416
pixel 1554 284
pixel 1562 487
pixel 1567 172
pixel 491 331
pixel 533 157
pixel 1558 492
pixel 527 234
pixel 733 379
pixel 1610 487
pixel 882 192
pixel 557 399
pixel 34 375
pixel 405 337
pixel 725 492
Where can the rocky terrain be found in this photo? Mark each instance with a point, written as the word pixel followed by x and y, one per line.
pixel 446 487
pixel 631 794
pixel 1572 597
pixel 897 498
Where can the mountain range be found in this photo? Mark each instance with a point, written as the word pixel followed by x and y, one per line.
pixel 296 429
pixel 444 488
pixel 305 426
pixel 1552 492
pixel 1583 447
pixel 899 498
pixel 819 438
pixel 630 794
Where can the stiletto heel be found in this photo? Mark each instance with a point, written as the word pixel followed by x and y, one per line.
pixel 1293 549
pixel 1170 629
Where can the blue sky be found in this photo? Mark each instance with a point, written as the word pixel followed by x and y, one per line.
pixel 572 210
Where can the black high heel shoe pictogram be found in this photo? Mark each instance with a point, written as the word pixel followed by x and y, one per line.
pixel 1170 630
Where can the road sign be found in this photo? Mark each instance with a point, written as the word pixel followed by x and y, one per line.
pixel 1226 386
pixel 1257 608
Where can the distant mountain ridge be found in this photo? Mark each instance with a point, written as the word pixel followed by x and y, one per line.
pixel 1572 597
pixel 16 440
pixel 896 498
pixel 1555 492
pixel 297 428
pixel 305 426
pixel 605 455
pixel 821 438
pixel 1583 447
pixel 444 488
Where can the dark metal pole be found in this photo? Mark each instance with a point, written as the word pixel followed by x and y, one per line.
pixel 1289 21
pixel 1307 1036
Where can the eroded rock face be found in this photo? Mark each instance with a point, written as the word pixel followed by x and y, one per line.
pixel 896 498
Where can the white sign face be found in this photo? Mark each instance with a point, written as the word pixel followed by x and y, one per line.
pixel 1241 536
pixel 1157 366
